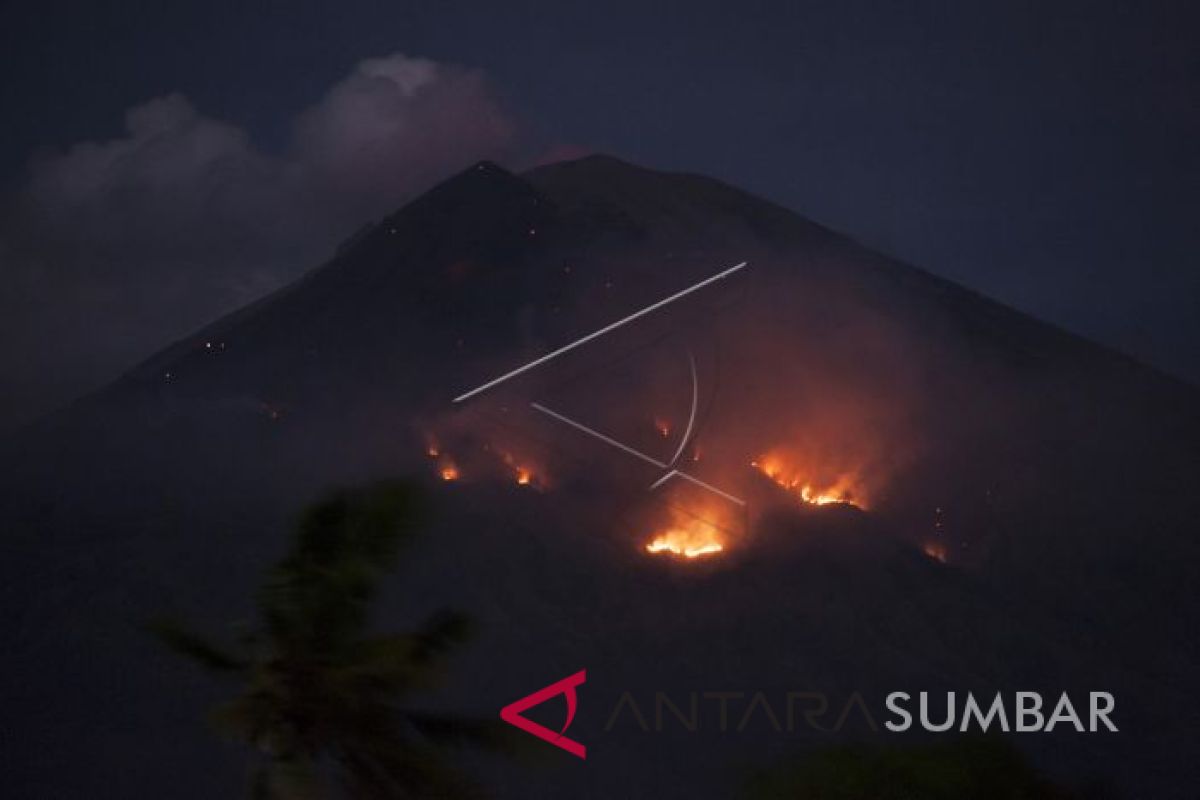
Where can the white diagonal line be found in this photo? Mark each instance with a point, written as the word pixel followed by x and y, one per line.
pixel 681 474
pixel 626 448
pixel 598 435
pixel 606 329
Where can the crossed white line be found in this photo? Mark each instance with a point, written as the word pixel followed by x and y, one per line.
pixel 672 473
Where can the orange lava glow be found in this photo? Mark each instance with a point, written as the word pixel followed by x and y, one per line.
pixel 844 490
pixel 662 426
pixel 524 476
pixel 448 471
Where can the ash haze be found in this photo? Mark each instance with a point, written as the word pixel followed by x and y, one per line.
pixel 163 167
pixel 113 248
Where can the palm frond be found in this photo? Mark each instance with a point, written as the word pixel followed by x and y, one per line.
pixel 318 685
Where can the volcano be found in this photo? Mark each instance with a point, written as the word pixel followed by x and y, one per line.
pixel 675 434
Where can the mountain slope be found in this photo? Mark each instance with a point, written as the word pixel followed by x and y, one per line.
pixel 1051 475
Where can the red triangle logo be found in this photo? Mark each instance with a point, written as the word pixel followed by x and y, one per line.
pixel 511 713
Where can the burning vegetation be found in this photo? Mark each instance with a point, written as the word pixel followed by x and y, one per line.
pixel 521 473
pixel 689 535
pixel 483 462
pixel 843 488
pixel 696 539
pixel 695 527
pixel 447 470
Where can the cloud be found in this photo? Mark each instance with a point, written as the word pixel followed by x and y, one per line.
pixel 398 122
pixel 112 249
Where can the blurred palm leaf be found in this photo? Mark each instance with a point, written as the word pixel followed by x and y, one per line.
pixel 322 695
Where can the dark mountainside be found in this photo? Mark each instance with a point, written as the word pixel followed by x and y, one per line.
pixel 1029 508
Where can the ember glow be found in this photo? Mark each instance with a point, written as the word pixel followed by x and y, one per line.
pixel 459 454
pixel 662 426
pixel 523 474
pixel 844 489
pixel 935 550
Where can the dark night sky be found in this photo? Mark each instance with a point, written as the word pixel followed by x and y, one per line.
pixel 1043 153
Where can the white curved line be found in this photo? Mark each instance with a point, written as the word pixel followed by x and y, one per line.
pixel 691 417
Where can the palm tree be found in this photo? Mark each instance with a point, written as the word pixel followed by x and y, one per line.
pixel 320 698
